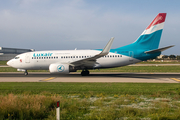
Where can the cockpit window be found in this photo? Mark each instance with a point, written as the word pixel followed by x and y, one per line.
pixel 16 58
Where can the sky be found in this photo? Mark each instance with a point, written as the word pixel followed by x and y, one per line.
pixel 84 24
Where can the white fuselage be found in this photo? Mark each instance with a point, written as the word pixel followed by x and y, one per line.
pixel 41 60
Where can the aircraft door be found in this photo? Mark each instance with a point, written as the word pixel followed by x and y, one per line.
pixel 27 58
pixel 131 55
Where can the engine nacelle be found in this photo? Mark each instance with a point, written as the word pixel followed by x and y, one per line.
pixel 59 68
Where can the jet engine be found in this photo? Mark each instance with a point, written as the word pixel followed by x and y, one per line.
pixel 59 68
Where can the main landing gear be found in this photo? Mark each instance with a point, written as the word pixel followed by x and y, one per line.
pixel 85 73
pixel 25 73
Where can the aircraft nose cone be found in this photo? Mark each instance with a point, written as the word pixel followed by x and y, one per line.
pixel 9 63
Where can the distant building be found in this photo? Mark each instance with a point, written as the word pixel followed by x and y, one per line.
pixel 9 53
pixel 160 57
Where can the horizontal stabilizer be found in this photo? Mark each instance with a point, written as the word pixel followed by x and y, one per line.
pixel 159 50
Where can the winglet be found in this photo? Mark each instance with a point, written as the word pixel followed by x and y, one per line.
pixel 107 48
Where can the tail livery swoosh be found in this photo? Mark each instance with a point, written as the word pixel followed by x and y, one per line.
pixel 156 24
pixel 151 36
pixel 160 18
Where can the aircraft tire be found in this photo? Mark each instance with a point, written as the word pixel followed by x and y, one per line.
pixel 85 73
pixel 26 73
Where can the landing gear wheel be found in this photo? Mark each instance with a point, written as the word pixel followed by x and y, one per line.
pixel 85 73
pixel 26 73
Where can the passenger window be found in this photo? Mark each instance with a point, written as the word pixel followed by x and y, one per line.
pixel 79 56
pixel 57 57
pixel 76 56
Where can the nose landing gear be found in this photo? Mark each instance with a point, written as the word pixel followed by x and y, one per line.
pixel 25 73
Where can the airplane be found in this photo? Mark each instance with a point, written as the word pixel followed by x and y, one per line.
pixel 66 61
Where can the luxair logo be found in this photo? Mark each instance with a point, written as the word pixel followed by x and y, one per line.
pixel 157 19
pixel 42 54
pixel 60 68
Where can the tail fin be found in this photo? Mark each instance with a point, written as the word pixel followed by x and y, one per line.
pixel 151 36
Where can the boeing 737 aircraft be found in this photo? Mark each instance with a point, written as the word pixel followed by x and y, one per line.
pixel 66 61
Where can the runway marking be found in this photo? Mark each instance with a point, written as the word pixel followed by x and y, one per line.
pixel 175 79
pixel 51 78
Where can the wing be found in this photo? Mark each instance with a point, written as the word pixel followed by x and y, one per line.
pixel 91 61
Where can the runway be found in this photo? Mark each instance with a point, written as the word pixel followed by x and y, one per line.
pixel 93 77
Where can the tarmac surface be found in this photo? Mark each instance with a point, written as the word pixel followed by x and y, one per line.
pixel 93 77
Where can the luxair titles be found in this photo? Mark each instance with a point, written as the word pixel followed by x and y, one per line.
pixel 42 54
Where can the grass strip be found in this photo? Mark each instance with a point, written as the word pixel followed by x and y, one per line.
pixel 160 62
pixel 141 69
pixel 87 88
pixel 107 101
pixel 3 62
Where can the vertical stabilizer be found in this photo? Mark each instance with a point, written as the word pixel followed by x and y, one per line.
pixel 151 36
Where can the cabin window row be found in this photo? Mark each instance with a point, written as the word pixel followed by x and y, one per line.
pixel 65 57
pixel 112 56
pixel 45 57
pixel 75 57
